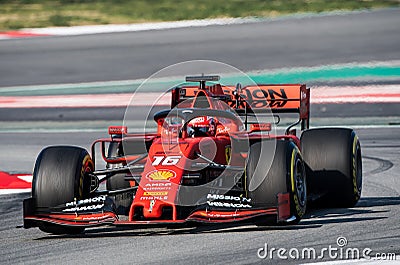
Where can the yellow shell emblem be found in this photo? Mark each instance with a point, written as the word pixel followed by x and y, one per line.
pixel 161 175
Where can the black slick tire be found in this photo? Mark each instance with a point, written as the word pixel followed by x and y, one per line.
pixel 60 177
pixel 333 165
pixel 286 175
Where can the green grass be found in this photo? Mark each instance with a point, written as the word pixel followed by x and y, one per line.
pixel 16 14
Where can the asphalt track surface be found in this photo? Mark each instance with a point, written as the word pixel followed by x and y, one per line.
pixel 373 223
pixel 296 42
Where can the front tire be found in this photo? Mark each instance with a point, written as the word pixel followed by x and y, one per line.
pixel 59 177
pixel 286 175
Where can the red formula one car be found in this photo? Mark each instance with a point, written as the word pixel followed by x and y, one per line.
pixel 213 159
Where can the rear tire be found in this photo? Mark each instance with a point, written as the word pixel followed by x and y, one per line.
pixel 60 177
pixel 333 164
pixel 286 175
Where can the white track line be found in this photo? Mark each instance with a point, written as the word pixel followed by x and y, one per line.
pixel 96 29
pixel 13 191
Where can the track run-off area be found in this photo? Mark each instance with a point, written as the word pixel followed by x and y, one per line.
pixel 66 90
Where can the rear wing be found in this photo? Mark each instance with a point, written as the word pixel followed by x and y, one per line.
pixel 282 98
pixel 279 98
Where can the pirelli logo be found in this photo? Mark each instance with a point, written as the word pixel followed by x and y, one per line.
pixel 155 193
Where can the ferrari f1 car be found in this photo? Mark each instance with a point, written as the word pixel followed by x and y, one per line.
pixel 212 160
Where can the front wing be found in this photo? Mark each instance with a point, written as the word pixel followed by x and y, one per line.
pixel 105 216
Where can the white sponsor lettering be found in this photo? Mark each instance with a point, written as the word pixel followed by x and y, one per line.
pixel 227 198
pixel 157 189
pixel 228 204
pixel 166 161
pixel 148 198
pixel 228 201
pixel 101 198
pixel 84 208
pixel 158 184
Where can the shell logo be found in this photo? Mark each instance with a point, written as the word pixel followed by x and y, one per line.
pixel 161 175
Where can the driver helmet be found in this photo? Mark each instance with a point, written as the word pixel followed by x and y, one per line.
pixel 201 126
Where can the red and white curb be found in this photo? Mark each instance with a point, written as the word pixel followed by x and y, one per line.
pixel 82 101
pixel 319 95
pixel 19 35
pixel 15 183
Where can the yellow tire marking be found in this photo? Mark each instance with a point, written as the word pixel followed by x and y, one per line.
pixel 295 198
pixel 85 163
pixel 292 169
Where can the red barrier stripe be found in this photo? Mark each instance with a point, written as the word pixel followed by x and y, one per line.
pixel 82 101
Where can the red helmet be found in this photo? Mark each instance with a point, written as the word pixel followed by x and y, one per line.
pixel 201 126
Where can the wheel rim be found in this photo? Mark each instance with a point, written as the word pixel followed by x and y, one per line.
pixel 300 183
